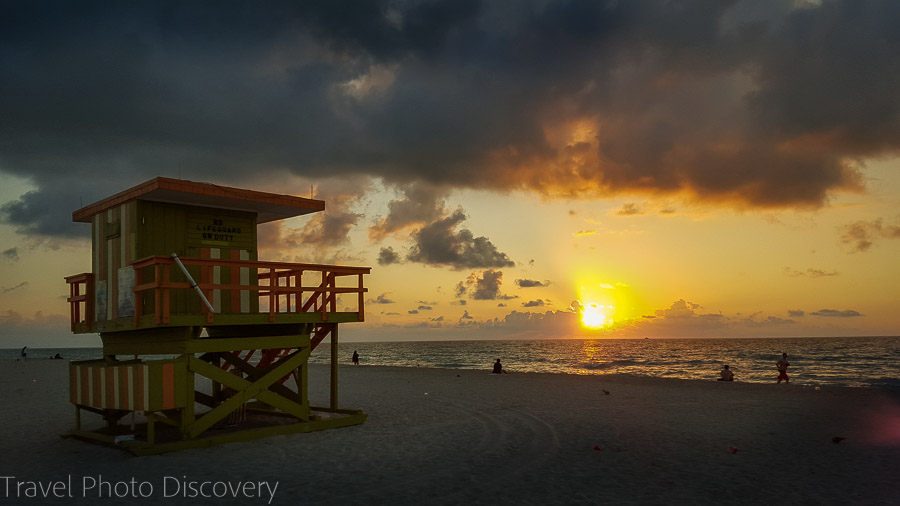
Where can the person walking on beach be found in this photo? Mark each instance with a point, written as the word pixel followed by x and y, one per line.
pixel 24 355
pixel 726 373
pixel 355 358
pixel 782 369
pixel 498 368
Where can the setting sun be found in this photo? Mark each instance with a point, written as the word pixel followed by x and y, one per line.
pixel 593 316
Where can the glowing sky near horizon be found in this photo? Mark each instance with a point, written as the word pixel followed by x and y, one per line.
pixel 681 169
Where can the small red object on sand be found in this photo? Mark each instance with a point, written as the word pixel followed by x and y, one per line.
pixel 597 447
pixel 732 449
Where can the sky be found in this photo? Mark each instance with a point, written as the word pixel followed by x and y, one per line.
pixel 509 169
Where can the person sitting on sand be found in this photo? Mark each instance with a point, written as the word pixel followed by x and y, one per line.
pixel 498 368
pixel 726 373
pixel 782 369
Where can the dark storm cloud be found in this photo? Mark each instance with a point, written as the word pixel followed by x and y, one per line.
pixel 534 303
pixel 439 243
pixel 751 102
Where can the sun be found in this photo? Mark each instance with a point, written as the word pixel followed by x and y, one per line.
pixel 593 316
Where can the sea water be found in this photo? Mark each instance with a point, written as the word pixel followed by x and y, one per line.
pixel 834 361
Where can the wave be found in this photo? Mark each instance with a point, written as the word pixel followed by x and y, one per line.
pixel 609 365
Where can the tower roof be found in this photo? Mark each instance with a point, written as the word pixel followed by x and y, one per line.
pixel 268 206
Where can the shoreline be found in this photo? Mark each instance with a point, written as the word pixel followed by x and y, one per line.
pixel 449 436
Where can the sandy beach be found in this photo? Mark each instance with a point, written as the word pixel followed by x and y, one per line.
pixel 438 436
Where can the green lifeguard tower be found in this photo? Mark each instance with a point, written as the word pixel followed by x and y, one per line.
pixel 202 342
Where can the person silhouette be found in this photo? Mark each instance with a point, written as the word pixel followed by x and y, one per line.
pixel 355 358
pixel 498 368
pixel 782 369
pixel 726 373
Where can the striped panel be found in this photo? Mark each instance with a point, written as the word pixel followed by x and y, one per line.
pixel 111 267
pixel 148 386
pixel 217 279
pixel 95 268
pixel 245 280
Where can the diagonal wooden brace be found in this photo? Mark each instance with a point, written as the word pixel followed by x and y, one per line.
pixel 247 390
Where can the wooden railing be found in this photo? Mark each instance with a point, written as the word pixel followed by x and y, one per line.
pixel 277 286
pixel 81 299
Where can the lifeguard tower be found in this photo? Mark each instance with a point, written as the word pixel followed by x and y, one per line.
pixel 202 342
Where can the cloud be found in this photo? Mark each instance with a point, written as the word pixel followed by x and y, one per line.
pixel 39 330
pixel 425 308
pixel 679 309
pixel 533 303
pixel 20 285
pixel 466 316
pixel 388 256
pixel 582 233
pixel 460 290
pixel 323 235
pixel 11 254
pixel 421 204
pixel 381 299
pixel 413 311
pixel 438 243
pixel 629 209
pixel 796 313
pixel 531 283
pixel 861 235
pixel 485 287
pixel 833 313
pixel 709 100
pixel 812 273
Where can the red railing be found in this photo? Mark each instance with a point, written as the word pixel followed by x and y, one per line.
pixel 81 299
pixel 278 287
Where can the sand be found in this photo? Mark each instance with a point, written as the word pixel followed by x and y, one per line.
pixel 438 436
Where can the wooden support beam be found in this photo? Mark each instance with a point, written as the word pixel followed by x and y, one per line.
pixel 187 413
pixel 247 390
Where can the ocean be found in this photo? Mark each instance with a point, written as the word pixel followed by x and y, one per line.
pixel 872 362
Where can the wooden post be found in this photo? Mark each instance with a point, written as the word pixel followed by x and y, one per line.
pixel 334 367
pixel 216 386
pixel 187 414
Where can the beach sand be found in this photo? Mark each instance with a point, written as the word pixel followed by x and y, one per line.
pixel 438 436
